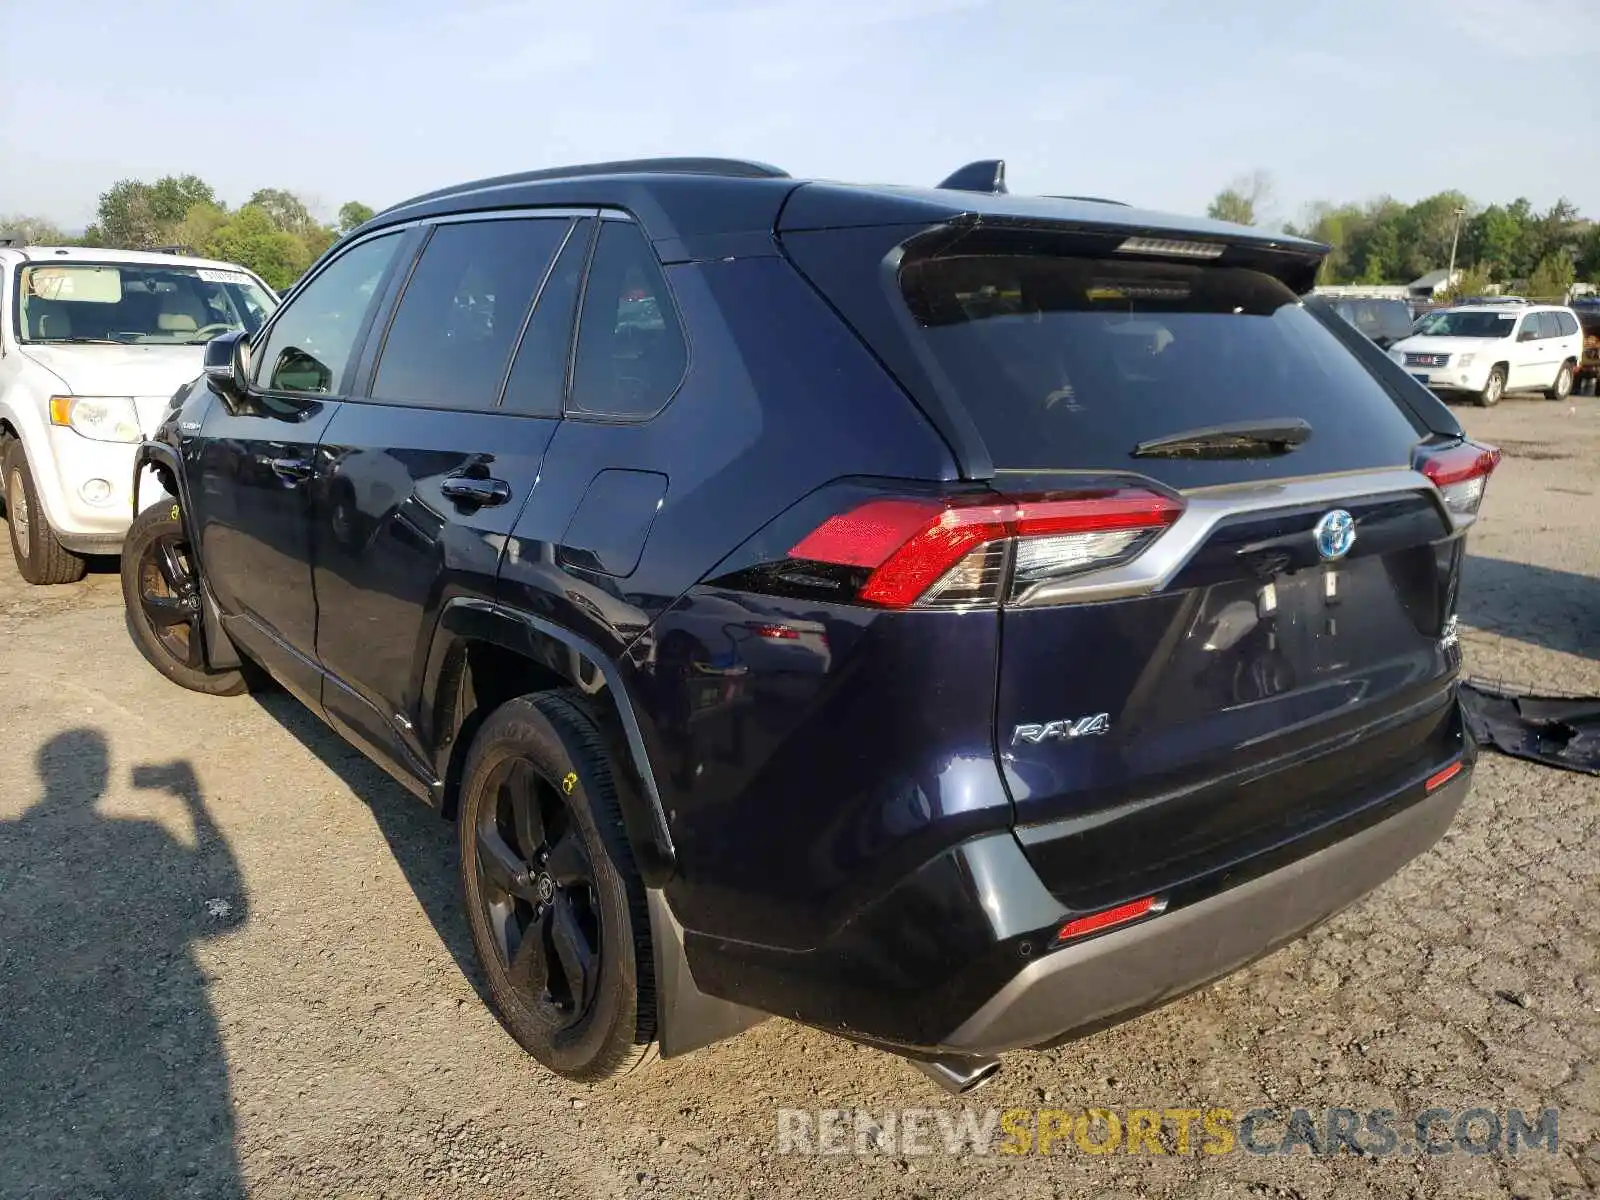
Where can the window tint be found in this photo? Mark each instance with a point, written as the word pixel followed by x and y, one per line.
pixel 1567 324
pixel 539 375
pixel 631 353
pixel 1548 325
pixel 451 338
pixel 306 351
pixel 1071 362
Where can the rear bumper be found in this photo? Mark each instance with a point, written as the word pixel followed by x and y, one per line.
pixel 1124 972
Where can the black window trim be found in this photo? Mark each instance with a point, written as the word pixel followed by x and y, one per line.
pixel 357 347
pixel 568 413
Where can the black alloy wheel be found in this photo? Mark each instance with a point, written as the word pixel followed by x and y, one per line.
pixel 537 891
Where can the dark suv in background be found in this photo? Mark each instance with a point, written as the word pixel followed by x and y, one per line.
pixel 952 619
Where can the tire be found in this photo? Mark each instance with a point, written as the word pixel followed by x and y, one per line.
pixel 158 575
pixel 555 904
pixel 41 558
pixel 1493 388
pixel 1562 387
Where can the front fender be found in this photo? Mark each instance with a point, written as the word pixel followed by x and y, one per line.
pixel 165 459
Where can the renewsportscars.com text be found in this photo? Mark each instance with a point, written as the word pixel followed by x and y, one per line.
pixel 1373 1132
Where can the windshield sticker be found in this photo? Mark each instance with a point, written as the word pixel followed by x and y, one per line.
pixel 211 276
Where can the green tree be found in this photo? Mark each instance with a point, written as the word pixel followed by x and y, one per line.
pixel 353 215
pixel 33 231
pixel 1473 281
pixel 1335 226
pixel 1243 201
pixel 1376 254
pixel 286 211
pixel 1495 239
pixel 172 196
pixel 1425 231
pixel 252 239
pixel 1588 262
pixel 1552 278
pixel 135 215
pixel 126 217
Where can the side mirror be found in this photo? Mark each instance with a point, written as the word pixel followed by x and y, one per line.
pixel 227 365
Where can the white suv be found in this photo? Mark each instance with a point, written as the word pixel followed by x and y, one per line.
pixel 93 344
pixel 1490 349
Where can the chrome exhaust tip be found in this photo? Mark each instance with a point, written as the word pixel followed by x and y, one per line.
pixel 958 1074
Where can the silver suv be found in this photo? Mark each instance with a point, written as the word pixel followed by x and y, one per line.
pixel 92 346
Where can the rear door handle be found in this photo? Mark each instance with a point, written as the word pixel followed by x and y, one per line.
pixel 291 468
pixel 471 489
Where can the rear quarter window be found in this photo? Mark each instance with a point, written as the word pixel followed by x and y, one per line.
pixel 1067 362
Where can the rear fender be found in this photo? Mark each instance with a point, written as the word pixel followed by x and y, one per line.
pixel 687 1018
pixel 577 663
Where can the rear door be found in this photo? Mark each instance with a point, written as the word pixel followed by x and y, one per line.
pixel 1269 649
pixel 420 478
pixel 1530 353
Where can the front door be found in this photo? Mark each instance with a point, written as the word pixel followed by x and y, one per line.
pixel 420 480
pixel 251 486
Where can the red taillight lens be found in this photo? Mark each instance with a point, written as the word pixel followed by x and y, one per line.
pixel 950 552
pixel 1094 922
pixel 1461 473
pixel 776 633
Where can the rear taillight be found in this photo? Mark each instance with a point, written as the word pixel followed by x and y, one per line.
pixel 959 551
pixel 1460 472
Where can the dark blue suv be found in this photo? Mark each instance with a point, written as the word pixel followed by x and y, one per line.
pixel 951 619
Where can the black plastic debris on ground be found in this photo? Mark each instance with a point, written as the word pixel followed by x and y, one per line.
pixel 1559 731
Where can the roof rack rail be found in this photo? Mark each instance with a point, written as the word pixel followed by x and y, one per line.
pixel 172 250
pixel 734 168
pixel 987 175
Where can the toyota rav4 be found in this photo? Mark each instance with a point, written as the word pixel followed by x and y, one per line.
pixel 951 619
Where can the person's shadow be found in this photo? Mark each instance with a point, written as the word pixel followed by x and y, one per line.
pixel 113 1079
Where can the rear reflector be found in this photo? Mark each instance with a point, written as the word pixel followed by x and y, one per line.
pixel 1461 473
pixel 1094 922
pixel 950 552
pixel 1439 778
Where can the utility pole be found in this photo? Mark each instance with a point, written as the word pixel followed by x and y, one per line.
pixel 1450 277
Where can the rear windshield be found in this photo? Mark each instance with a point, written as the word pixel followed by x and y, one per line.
pixel 1071 362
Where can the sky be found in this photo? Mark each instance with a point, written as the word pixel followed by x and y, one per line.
pixel 1156 102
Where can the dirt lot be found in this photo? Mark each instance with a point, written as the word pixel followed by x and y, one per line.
pixel 231 961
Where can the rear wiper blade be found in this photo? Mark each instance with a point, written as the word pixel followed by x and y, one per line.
pixel 1238 439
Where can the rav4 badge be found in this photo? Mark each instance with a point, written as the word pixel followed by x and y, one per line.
pixel 1062 730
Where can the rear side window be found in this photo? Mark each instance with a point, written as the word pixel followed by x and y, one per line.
pixel 631 352
pixel 450 342
pixel 538 380
pixel 1566 324
pixel 1069 362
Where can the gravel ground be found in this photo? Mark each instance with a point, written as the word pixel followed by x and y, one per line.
pixel 231 962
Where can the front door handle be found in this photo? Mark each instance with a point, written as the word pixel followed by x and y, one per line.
pixel 291 468
pixel 476 491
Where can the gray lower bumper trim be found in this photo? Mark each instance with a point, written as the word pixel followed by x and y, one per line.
pixel 1140 966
